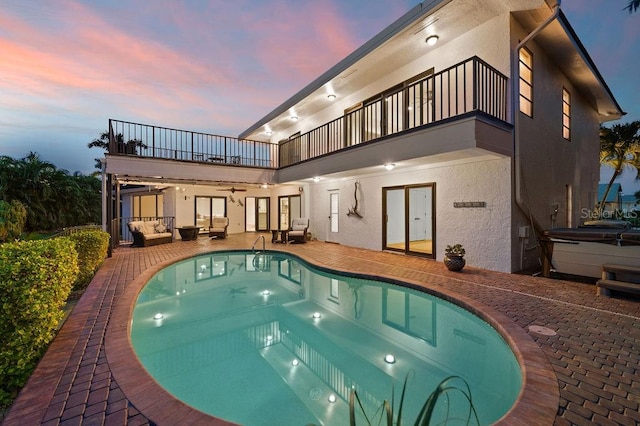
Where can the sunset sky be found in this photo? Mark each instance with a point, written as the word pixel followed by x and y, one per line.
pixel 217 66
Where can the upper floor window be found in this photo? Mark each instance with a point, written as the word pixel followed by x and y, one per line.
pixel 566 114
pixel 526 82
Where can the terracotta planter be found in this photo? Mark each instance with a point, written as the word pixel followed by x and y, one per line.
pixel 454 262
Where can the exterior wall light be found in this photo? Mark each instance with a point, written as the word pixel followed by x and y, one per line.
pixel 432 40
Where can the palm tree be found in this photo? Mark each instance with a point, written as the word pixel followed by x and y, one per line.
pixel 129 147
pixel 620 149
pixel 633 5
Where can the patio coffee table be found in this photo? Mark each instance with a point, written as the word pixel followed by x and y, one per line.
pixel 189 233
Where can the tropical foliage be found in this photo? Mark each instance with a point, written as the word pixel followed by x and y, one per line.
pixel 92 246
pixel 129 147
pixel 620 149
pixel 53 198
pixel 35 282
pixel 13 216
pixel 633 5
pixel 450 399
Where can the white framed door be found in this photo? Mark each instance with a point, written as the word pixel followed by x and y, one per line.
pixel 334 214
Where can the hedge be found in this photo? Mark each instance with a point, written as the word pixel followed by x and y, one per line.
pixel 92 246
pixel 35 282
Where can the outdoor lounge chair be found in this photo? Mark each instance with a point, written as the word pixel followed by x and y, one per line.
pixel 298 230
pixel 218 228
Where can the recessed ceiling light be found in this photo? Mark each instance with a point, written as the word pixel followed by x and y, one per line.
pixel 294 117
pixel 316 179
pixel 390 166
pixel 332 398
pixel 331 97
pixel 390 359
pixel 269 133
pixel 158 316
pixel 266 293
pixel 432 40
pixel 316 315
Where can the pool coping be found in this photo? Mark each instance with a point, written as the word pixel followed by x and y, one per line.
pixel 537 402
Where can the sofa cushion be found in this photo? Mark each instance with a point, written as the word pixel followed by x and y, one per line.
pixel 135 225
pixel 149 227
pixel 160 228
pixel 158 235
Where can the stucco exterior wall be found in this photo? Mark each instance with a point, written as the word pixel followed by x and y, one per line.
pixel 484 232
pixel 556 173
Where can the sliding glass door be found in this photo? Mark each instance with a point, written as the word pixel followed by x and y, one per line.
pixel 207 208
pixel 289 207
pixel 409 219
pixel 256 214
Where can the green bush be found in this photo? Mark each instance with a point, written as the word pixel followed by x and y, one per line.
pixel 92 246
pixel 13 217
pixel 35 282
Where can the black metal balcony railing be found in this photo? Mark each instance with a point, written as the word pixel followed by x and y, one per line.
pixel 469 86
pixel 160 142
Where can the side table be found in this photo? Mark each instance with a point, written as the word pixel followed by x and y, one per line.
pixel 189 233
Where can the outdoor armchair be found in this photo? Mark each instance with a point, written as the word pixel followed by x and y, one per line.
pixel 298 230
pixel 218 228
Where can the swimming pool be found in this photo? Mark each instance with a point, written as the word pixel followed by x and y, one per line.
pixel 236 336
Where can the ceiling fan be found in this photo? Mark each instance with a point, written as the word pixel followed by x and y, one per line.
pixel 233 190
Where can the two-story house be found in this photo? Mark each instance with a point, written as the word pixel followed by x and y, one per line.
pixel 472 122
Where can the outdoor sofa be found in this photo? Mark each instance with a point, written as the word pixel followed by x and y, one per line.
pixel 150 233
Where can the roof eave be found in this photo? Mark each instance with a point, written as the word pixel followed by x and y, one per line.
pixel 609 115
pixel 382 37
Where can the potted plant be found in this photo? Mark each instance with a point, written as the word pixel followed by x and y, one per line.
pixel 454 257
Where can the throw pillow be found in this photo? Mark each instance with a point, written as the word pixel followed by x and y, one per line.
pixel 160 228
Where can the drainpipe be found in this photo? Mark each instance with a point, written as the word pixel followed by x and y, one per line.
pixel 517 175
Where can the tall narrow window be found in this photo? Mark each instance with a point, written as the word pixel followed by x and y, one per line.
pixel 566 114
pixel 526 82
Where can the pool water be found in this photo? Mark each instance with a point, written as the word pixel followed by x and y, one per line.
pixel 267 339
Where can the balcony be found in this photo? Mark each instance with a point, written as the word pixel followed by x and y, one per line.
pixel 469 87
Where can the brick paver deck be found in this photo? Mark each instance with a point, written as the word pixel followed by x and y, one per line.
pixel 594 354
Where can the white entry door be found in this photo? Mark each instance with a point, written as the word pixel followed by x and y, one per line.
pixel 334 213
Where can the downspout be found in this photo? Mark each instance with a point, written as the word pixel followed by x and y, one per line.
pixel 517 175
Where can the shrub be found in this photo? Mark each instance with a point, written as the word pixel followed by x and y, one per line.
pixel 35 282
pixel 92 246
pixel 13 217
